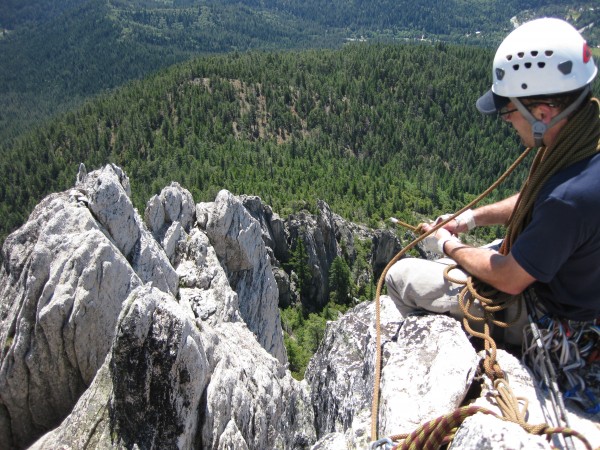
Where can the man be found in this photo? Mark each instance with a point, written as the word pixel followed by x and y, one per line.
pixel 542 75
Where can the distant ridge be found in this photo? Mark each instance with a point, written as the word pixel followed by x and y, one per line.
pixel 57 53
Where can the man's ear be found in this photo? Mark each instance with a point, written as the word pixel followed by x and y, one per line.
pixel 545 113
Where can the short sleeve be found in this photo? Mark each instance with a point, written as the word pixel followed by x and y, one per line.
pixel 548 240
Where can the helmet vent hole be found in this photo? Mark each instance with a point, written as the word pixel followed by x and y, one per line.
pixel 534 53
pixel 524 86
pixel 548 53
pixel 565 67
pixel 541 65
pixel 528 65
pixel 509 57
pixel 520 54
pixel 516 67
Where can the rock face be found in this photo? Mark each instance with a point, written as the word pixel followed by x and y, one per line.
pixel 115 332
pixel 165 333
pixel 325 235
pixel 238 243
pixel 415 358
pixel 429 369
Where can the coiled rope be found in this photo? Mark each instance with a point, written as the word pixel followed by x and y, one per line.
pixel 580 138
pixel 439 431
pixel 400 254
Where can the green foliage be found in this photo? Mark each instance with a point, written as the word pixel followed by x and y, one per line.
pixel 302 333
pixel 340 281
pixel 56 54
pixel 362 271
pixel 298 263
pixel 373 130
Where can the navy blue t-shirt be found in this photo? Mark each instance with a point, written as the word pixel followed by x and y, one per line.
pixel 560 247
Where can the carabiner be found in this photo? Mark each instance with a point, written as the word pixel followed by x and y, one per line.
pixel 385 443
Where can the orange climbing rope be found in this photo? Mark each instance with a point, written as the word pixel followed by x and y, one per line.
pixel 431 435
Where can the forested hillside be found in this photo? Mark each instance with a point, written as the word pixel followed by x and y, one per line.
pixel 374 130
pixel 57 53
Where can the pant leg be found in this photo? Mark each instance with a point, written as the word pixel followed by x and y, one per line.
pixel 418 284
pixel 514 334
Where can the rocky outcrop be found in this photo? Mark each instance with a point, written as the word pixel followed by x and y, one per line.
pixel 325 236
pixel 236 238
pixel 172 381
pixel 62 285
pixel 429 369
pixel 127 331
pixel 341 374
pixel 120 333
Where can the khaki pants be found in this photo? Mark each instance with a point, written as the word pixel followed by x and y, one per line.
pixel 417 284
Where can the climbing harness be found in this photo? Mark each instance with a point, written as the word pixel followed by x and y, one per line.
pixel 382 444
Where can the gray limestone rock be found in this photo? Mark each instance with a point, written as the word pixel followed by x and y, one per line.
pixel 117 334
pixel 251 388
pixel 341 374
pixel 428 370
pixel 108 198
pixel 169 216
pixel 318 234
pixel 61 286
pixel 428 349
pixel 172 381
pixel 149 389
pixel 273 231
pixel 204 287
pixel 236 238
pixel 485 431
pixel 109 192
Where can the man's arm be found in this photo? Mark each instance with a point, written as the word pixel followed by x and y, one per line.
pixel 497 213
pixel 500 271
pixel 494 214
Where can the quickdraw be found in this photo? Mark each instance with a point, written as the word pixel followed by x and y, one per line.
pixel 570 347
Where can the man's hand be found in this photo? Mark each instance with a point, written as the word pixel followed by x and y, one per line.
pixel 435 242
pixel 461 224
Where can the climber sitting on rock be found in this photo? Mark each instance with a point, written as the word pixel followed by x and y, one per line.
pixel 542 75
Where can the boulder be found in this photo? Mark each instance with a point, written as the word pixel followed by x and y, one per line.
pixel 173 381
pixel 101 346
pixel 429 370
pixel 415 350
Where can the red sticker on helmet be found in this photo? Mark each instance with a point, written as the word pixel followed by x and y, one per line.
pixel 587 53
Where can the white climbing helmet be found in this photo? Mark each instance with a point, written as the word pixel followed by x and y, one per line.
pixel 541 57
pixel 544 56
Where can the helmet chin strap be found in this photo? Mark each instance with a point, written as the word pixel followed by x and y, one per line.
pixel 538 127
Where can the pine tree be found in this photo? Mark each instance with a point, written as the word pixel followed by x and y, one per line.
pixel 340 283
pixel 298 263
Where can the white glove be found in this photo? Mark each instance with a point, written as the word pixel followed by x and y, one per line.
pixel 467 218
pixel 436 246
pixel 442 218
pixel 430 244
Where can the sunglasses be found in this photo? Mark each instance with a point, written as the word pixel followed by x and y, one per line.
pixel 504 111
